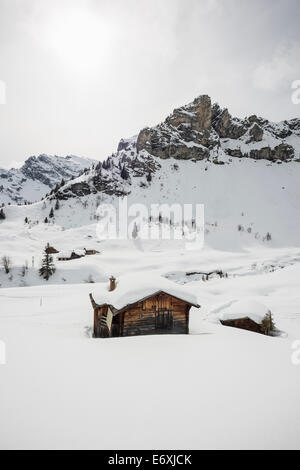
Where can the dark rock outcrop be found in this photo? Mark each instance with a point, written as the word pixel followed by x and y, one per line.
pixel 186 134
pixel 256 133
pixel 282 152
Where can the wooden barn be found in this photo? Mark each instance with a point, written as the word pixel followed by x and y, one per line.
pixel 149 311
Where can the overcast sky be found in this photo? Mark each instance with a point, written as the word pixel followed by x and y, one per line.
pixel 81 74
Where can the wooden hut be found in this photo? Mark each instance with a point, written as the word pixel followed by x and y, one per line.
pixel 244 324
pixel 91 252
pixel 51 250
pixel 71 255
pixel 160 311
pixel 245 315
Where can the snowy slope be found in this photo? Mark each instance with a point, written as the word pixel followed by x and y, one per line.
pixel 240 390
pixel 259 196
pixel 245 172
pixel 38 176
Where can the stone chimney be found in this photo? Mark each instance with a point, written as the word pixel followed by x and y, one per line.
pixel 112 286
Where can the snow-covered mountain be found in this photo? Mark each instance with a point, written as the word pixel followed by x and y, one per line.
pixel 199 131
pixel 245 172
pixel 38 176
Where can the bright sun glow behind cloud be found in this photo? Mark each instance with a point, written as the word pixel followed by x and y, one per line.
pixel 79 38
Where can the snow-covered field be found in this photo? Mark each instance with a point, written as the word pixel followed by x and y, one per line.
pixel 216 388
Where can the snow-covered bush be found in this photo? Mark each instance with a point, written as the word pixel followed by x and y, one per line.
pixel 90 280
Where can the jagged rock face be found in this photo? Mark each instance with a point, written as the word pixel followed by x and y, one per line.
pixel 294 124
pixel 282 153
pixel 50 170
pixel 163 145
pixel 256 133
pixel 191 132
pixel 227 127
pixel 186 134
pixel 109 178
pixel 196 131
pixel 198 115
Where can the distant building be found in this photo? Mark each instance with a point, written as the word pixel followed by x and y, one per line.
pixel 70 255
pixel 51 250
pixel 91 252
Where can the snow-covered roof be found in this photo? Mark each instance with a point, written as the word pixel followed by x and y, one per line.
pixel 256 311
pixel 68 253
pixel 65 254
pixel 131 289
pixel 79 252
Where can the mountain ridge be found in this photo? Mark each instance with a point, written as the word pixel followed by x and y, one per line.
pixel 38 176
pixel 198 131
pixel 245 195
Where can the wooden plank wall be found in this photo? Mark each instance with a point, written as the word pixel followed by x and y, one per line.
pixel 98 331
pixel 140 319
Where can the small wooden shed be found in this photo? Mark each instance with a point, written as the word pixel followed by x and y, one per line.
pixel 91 252
pixel 51 250
pixel 159 312
pixel 244 324
pixel 245 315
pixel 70 255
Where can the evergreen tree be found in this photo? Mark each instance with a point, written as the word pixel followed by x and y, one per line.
pixel 48 267
pixel 51 215
pixel 149 177
pixel 2 214
pixel 268 324
pixel 57 206
pixel 26 220
pixel 46 221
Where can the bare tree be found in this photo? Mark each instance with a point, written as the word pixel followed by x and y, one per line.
pixel 6 263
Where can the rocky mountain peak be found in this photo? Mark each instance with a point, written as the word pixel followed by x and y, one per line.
pixel 197 130
pixel 198 115
pixel 200 130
